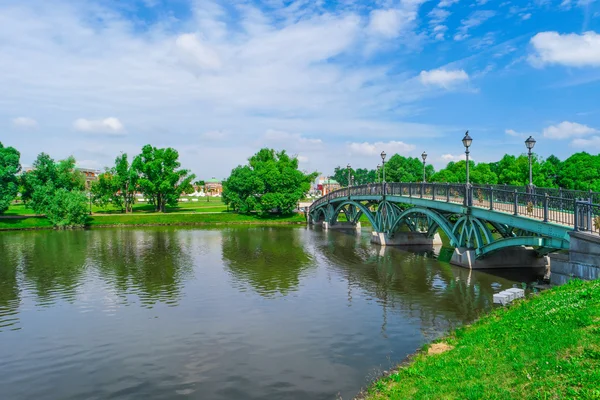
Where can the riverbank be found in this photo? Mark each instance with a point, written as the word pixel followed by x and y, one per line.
pixel 547 346
pixel 155 219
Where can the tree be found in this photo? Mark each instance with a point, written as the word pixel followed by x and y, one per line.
pixel 9 182
pixel 56 190
pixel 117 185
pixel 160 178
pixel 270 181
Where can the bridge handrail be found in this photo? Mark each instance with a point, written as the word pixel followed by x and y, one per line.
pixel 576 208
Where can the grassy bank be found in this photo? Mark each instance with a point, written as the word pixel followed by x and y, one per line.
pixel 141 219
pixel 546 347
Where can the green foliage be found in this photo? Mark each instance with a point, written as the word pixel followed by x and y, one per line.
pixel 362 176
pixel 9 183
pixel 160 178
pixel 270 181
pixel 117 186
pixel 67 209
pixel 56 190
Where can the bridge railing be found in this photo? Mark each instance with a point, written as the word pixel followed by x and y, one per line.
pixel 579 209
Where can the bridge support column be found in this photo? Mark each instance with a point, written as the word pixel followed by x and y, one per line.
pixel 405 239
pixel 514 257
pixel 342 225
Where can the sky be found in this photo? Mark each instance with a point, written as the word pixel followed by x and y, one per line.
pixel 332 82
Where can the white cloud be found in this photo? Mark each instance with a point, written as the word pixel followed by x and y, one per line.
pixel 475 19
pixel 24 122
pixel 302 159
pixel 389 23
pixel 447 3
pixel 591 143
pixel 451 157
pixel 526 16
pixel 194 52
pixel 567 129
pixel 374 149
pixel 569 49
pixel 228 69
pixel 442 77
pixel 109 126
pixel 512 132
pixel 289 139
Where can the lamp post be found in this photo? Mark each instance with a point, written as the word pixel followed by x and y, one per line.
pixel 383 161
pixel 348 169
pixel 467 140
pixel 352 179
pixel 378 169
pixel 424 157
pixel 530 142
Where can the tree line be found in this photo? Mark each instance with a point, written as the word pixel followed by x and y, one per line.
pixel 581 171
pixel 57 189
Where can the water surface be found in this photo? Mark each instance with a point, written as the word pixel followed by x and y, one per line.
pixel 235 313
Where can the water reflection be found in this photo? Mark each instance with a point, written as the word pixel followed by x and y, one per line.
pixel 153 264
pixel 232 313
pixel 270 260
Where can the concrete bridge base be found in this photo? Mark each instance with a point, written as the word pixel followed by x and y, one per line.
pixel 405 239
pixel 341 226
pixel 515 257
pixel 582 261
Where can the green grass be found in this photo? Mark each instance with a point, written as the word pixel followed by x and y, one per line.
pixel 139 219
pixel 214 205
pixel 546 347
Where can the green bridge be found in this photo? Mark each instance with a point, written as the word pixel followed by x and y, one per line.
pixel 485 224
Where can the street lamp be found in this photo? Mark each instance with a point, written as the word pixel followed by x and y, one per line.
pixel 530 142
pixel 383 160
pixel 467 140
pixel 424 157
pixel 348 169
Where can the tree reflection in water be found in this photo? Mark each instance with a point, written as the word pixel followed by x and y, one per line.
pixel 150 263
pixel 270 260
pixel 412 283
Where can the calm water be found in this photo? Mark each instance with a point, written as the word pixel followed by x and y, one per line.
pixel 240 313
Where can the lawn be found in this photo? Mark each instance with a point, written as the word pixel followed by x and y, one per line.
pixel 140 218
pixel 546 347
pixel 214 204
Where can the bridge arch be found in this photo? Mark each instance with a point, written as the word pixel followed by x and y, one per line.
pixel 441 222
pixel 362 209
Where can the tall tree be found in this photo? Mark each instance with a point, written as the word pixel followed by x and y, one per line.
pixel 117 185
pixel 9 182
pixel 270 181
pixel 160 178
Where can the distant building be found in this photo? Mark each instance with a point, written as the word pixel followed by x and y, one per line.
pixel 327 185
pixel 90 175
pixel 213 187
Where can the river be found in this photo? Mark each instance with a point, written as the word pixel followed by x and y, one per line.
pixel 234 313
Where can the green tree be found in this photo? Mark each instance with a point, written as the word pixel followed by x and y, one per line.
pixel 56 190
pixel 581 171
pixel 270 181
pixel 160 178
pixel 117 186
pixel 9 183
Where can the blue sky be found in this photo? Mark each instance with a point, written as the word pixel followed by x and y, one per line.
pixel 333 82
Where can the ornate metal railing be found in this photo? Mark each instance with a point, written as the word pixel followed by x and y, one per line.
pixel 576 208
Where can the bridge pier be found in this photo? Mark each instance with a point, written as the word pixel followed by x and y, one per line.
pixel 405 239
pixel 514 257
pixel 341 225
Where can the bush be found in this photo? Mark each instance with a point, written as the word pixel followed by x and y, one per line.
pixel 67 209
